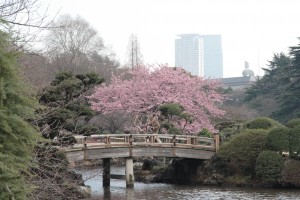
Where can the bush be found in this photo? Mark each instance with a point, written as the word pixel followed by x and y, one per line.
pixel 262 123
pixel 88 130
pixel 278 139
pixel 290 174
pixel 269 165
pixel 171 109
pixel 243 149
pixel 227 133
pixel 59 116
pixel 293 123
pixel 294 141
pixel 81 109
pixel 174 131
pixel 205 133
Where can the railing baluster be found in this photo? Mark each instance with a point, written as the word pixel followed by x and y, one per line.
pixel 174 140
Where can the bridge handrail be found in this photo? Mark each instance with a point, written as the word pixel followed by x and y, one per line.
pixel 151 139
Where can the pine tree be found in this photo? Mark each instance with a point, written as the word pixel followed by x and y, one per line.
pixel 17 136
pixel 289 99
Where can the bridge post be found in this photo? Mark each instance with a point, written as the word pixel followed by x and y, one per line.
pixel 217 141
pixel 129 172
pixel 106 172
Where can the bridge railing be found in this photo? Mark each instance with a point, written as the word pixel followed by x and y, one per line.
pixel 160 140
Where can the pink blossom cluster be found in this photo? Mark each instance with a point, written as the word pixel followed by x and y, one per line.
pixel 147 89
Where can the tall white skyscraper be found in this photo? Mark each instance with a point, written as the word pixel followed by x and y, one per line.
pixel 189 53
pixel 200 55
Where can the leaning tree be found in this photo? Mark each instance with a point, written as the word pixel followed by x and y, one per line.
pixel 143 90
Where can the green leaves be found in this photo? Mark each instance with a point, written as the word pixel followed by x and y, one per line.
pixel 17 136
pixel 269 165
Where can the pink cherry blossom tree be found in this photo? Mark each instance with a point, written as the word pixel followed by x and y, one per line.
pixel 142 90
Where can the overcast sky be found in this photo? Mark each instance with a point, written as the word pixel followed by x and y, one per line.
pixel 252 30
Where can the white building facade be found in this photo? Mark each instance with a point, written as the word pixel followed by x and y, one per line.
pixel 189 53
pixel 200 55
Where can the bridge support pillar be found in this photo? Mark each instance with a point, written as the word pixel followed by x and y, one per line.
pixel 106 172
pixel 129 173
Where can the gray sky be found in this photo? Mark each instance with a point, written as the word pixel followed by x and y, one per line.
pixel 252 30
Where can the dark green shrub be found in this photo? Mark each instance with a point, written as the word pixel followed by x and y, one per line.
pixel 269 165
pixel 205 133
pixel 294 134
pixel 88 130
pixel 171 109
pixel 50 95
pixel 278 139
pixel 59 116
pixel 66 139
pixel 174 131
pixel 61 76
pixel 227 133
pixel 81 109
pixel 171 128
pixel 243 149
pixel 166 125
pixel 293 123
pixel 262 123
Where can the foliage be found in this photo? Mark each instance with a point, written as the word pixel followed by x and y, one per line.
pixel 17 136
pixel 261 123
pixel 205 133
pixel 65 109
pixel 294 141
pixel 66 86
pixel 269 165
pixel 147 90
pixel 243 149
pixel 290 174
pixel 80 109
pixel 171 109
pixel 289 99
pixel 278 139
pixel 293 123
pixel 263 95
pixel 282 84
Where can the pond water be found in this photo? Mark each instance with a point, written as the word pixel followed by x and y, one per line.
pixel 159 191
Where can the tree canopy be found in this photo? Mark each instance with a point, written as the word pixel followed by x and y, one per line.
pixel 279 87
pixel 142 90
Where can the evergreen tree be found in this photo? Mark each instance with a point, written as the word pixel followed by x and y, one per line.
pixel 17 137
pixel 265 94
pixel 290 98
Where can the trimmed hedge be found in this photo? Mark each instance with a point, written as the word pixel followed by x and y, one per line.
pixel 294 141
pixel 278 139
pixel 269 165
pixel 243 149
pixel 262 123
pixel 293 123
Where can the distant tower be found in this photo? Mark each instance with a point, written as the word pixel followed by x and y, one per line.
pixel 247 71
pixel 213 56
pixel 200 55
pixel 189 53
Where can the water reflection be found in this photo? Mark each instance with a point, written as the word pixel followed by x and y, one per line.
pixel 141 191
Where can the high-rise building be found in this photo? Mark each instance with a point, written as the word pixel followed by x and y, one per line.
pixel 189 53
pixel 200 55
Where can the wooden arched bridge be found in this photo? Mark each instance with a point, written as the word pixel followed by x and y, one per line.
pixel 139 145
